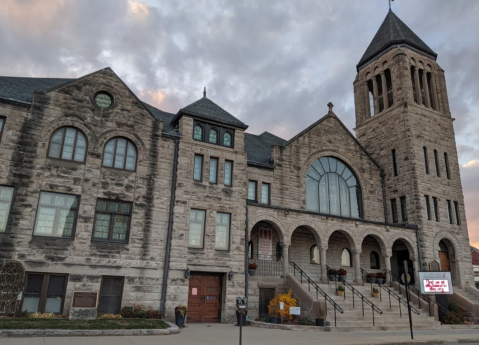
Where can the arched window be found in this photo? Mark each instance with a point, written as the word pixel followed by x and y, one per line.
pixel 68 143
pixel 213 138
pixel 314 255
pixel 120 153
pixel 332 188
pixel 250 249
pixel 346 258
pixel 227 140
pixel 374 260
pixel 198 133
pixel 279 251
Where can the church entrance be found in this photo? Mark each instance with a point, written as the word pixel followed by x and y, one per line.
pixel 401 254
pixel 204 298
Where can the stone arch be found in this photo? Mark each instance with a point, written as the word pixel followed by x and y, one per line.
pixel 107 135
pixel 452 239
pixel 350 235
pixel 311 226
pixel 407 241
pixel 274 221
pixel 385 65
pixel 378 236
pixel 52 126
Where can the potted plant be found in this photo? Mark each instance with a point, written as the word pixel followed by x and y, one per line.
pixel 321 315
pixel 342 273
pixel 340 290
pixel 372 277
pixel 252 268
pixel 376 292
pixel 273 313
pixel 332 274
pixel 380 277
pixel 180 315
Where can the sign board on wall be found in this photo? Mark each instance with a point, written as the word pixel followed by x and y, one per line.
pixel 265 246
pixel 295 310
pixel 436 283
pixel 85 299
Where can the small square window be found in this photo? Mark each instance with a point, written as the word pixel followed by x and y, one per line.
pixel 213 170
pixel 265 193
pixel 228 173
pixel 197 228
pixel 252 190
pixel 198 168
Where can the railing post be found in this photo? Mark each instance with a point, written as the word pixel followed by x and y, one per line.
pixel 400 313
pixel 334 317
pixel 362 300
pixel 372 309
pixel 353 300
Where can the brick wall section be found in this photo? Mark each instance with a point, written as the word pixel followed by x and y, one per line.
pixel 31 171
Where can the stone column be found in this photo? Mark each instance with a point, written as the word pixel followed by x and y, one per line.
pixel 415 264
pixel 387 266
pixel 357 267
pixel 375 94
pixel 366 100
pixel 324 271
pixel 426 89
pixel 285 259
pixel 435 104
pixel 418 85
pixel 385 90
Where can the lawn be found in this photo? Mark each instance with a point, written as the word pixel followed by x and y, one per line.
pixel 26 323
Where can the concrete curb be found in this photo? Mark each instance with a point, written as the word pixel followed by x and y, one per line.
pixel 23 333
pixel 286 327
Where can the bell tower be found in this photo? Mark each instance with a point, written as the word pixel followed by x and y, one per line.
pixel 403 120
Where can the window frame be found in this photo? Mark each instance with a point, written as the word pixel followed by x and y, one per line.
pixel 394 211
pixel 229 232
pixel 436 162
pixel 203 229
pixel 2 129
pixel 428 207
pixel 202 157
pixel 217 136
pixel 9 210
pixel 111 223
pixel 101 287
pixel 350 258
pixel 220 133
pixel 449 211
pixel 378 263
pixel 250 250
pixel 231 174
pixel 268 202
pixel 426 159
pixel 404 214
pixel 212 159
pixel 44 291
pixel 255 190
pixel 202 132
pixel 446 162
pixel 55 220
pixel 395 167
pixel 311 255
pixel 62 145
pixel 114 155
pixel 457 212
pixel 435 208
pixel 102 92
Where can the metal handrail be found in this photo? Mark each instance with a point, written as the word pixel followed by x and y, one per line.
pixel 400 300
pixel 374 308
pixel 318 290
pixel 418 293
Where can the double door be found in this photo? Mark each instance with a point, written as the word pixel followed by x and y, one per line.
pixel 204 299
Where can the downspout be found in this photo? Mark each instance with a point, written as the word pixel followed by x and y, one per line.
pixel 246 259
pixel 384 197
pixel 166 266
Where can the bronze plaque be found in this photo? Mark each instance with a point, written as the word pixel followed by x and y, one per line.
pixel 84 299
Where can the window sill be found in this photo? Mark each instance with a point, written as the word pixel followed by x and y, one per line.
pixel 108 241
pixel 51 237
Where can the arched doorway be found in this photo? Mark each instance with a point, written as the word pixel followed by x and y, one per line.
pixel 447 258
pixel 340 253
pixel 400 253
pixel 371 258
pixel 304 251
pixel 265 249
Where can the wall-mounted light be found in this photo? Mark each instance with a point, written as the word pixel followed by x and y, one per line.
pixel 230 275
pixel 187 273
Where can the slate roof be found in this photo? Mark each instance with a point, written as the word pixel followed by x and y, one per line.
pixel 393 31
pixel 207 109
pixel 164 117
pixel 21 89
pixel 258 147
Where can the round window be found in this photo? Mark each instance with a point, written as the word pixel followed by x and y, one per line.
pixel 103 100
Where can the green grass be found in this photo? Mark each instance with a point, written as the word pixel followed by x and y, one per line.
pixel 26 323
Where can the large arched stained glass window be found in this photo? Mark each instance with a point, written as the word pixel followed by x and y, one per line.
pixel 332 188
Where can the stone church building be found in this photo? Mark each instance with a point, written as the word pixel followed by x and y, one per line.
pixel 102 192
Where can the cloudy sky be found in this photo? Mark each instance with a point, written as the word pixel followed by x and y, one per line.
pixel 273 64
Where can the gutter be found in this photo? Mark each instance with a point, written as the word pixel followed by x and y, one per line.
pixel 166 265
pixel 384 197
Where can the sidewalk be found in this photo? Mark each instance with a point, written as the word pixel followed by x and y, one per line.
pixel 224 334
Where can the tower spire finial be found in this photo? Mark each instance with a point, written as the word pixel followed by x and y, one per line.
pixel 330 106
pixel 204 92
pixel 390 4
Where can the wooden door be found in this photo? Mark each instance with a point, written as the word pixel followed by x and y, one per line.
pixel 204 299
pixel 265 296
pixel 444 259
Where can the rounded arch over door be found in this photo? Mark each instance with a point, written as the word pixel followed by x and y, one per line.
pixel 333 188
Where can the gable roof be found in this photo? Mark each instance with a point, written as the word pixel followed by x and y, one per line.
pixel 474 249
pixel 258 147
pixel 393 32
pixel 20 89
pixel 207 109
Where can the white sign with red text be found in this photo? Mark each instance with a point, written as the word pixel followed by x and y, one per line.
pixel 436 283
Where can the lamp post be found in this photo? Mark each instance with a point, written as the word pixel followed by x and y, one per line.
pixel 241 304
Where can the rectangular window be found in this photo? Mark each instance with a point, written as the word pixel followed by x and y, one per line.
pixel 228 173
pixel 6 196
pixel 56 215
pixel 446 163
pixel 436 161
pixel 252 190
pixel 428 209
pixel 2 124
pixel 403 209
pixel 112 220
pixel 265 193
pixel 394 210
pixel 198 168
pixel 435 209
pixel 426 161
pixel 110 295
pixel 44 293
pixel 197 228
pixel 449 211
pixel 222 238
pixel 395 166
pixel 456 210
pixel 213 170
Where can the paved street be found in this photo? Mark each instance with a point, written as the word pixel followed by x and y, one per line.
pixel 224 334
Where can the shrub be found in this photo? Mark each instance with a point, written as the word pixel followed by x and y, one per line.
pixel 38 315
pixel 266 319
pixel 381 275
pixel 306 321
pixel 111 316
pixel 332 272
pixel 454 308
pixel 453 318
pixel 372 275
pixel 136 312
pixel 340 288
pixel 375 289
pixel 274 305
pixel 342 272
pixel 181 309
pixel 252 266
